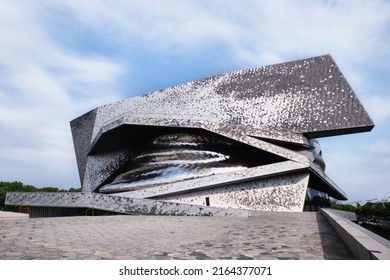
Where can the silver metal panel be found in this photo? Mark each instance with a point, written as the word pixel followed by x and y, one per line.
pixel 305 96
pixel 117 204
pixel 185 186
pixel 283 193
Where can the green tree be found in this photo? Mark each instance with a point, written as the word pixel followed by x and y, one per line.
pixel 343 207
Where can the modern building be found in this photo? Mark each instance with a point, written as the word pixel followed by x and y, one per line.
pixel 224 145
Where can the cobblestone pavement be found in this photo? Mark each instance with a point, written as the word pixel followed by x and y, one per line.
pixel 268 235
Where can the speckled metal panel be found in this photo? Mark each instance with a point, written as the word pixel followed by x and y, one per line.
pixel 308 96
pixel 282 193
pixel 102 166
pixel 186 186
pixel 117 204
pixel 82 129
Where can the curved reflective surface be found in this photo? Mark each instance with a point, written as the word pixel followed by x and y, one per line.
pixel 175 157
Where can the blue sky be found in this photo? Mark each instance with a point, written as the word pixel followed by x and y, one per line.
pixel 60 59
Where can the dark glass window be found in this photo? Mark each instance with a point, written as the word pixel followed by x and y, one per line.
pixel 315 200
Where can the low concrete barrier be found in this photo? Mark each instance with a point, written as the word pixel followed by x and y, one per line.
pixel 363 244
pixel 345 214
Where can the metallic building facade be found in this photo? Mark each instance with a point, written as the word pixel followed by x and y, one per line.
pixel 243 140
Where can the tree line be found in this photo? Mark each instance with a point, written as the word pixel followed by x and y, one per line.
pixel 380 209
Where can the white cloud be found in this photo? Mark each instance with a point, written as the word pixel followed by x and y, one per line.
pixel 380 147
pixel 45 82
pixel 42 87
pixel 255 32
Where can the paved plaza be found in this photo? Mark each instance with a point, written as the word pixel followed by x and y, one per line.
pixel 268 235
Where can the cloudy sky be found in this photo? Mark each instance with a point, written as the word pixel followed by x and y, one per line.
pixel 60 59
